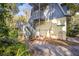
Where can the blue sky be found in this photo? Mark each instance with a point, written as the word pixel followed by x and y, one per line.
pixel 23 7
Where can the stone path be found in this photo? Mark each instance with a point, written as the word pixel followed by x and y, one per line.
pixel 51 50
pixel 73 39
pixel 47 49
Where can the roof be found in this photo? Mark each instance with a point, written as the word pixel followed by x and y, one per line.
pixel 59 10
pixel 62 9
pixel 37 4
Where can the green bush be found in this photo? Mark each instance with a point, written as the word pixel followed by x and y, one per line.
pixel 73 30
pixel 13 33
pixel 9 47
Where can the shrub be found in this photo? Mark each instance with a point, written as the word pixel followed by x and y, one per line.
pixel 9 47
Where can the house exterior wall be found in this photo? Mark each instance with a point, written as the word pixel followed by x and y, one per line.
pixel 54 24
pixel 55 28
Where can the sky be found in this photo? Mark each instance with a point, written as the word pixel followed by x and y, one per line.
pixel 23 7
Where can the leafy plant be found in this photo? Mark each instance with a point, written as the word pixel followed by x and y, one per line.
pixel 9 46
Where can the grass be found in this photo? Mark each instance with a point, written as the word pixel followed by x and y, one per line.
pixel 63 42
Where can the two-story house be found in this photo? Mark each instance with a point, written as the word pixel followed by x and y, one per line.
pixel 49 19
